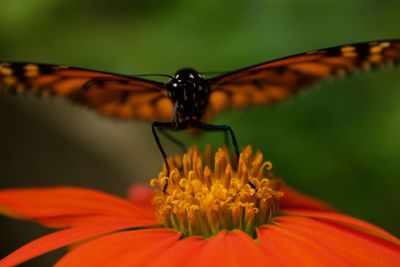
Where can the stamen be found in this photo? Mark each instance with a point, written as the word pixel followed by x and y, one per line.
pixel 203 199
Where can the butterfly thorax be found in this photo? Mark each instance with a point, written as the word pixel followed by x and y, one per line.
pixel 189 91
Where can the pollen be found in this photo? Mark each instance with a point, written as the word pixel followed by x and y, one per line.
pixel 204 195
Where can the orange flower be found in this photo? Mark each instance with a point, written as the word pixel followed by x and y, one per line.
pixel 203 217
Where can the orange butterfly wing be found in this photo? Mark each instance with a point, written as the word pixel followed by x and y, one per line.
pixel 280 79
pixel 110 94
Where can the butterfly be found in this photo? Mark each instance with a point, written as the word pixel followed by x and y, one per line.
pixel 189 99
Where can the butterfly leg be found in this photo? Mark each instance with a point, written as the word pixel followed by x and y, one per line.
pixel 158 125
pixel 172 139
pixel 225 128
pixel 165 126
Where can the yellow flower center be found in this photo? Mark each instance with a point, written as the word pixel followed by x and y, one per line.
pixel 201 200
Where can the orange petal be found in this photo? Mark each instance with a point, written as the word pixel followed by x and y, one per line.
pixel 73 221
pixel 231 249
pixel 353 223
pixel 182 253
pixel 285 250
pixel 309 242
pixel 58 204
pixel 60 239
pixel 141 194
pixel 293 199
pixel 131 248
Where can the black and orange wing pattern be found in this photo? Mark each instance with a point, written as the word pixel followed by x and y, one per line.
pixel 110 94
pixel 280 79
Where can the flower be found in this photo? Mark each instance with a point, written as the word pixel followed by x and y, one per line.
pixel 202 216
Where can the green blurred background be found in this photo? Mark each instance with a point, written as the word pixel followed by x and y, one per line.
pixel 339 141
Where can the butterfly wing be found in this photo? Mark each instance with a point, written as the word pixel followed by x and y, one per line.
pixel 280 79
pixel 108 93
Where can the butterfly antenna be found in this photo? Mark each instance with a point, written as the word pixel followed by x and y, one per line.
pixel 152 75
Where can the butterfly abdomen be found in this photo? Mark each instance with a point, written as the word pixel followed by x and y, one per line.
pixel 190 92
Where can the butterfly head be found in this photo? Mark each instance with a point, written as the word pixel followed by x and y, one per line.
pixel 189 90
pixel 185 81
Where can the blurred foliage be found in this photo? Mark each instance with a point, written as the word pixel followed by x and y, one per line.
pixel 338 142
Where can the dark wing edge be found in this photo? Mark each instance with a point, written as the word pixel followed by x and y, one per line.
pixel 108 93
pixel 279 79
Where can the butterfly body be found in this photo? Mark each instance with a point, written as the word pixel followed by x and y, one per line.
pixel 190 93
pixel 188 100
